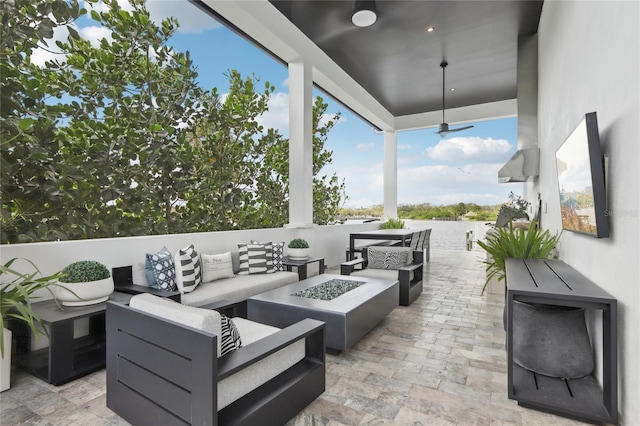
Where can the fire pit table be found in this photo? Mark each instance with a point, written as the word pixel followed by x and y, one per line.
pixel 350 306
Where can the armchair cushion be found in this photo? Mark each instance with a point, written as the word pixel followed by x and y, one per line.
pixel 253 376
pixel 388 257
pixel 201 319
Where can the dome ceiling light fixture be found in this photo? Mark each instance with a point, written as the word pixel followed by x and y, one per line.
pixel 443 128
pixel 364 13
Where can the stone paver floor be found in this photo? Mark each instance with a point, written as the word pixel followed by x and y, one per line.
pixel 439 361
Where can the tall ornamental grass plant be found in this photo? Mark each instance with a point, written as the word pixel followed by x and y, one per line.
pixel 532 243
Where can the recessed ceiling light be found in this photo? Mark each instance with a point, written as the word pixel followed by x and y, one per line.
pixel 453 89
pixel 430 29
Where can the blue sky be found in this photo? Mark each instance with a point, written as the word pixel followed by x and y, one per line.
pixel 460 168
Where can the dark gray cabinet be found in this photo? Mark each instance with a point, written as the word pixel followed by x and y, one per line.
pixel 554 282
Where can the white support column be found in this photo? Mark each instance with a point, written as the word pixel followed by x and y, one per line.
pixel 300 145
pixel 390 203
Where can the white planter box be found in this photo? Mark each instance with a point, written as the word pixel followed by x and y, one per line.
pixel 5 362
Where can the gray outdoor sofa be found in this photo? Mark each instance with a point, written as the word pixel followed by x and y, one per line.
pixel 163 367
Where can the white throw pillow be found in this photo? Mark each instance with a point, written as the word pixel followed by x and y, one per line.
pixel 216 266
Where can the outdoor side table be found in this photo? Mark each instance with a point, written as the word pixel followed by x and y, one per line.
pixel 553 282
pixel 301 265
pixel 66 358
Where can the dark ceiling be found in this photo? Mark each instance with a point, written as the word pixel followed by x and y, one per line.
pixel 398 62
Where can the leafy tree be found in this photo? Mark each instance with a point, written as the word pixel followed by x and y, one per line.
pixel 129 98
pixel 30 198
pixel 125 142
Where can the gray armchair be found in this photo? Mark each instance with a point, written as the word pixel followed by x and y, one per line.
pixel 163 371
pixel 397 263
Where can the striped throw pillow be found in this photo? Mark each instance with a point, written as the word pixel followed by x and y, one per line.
pixel 388 257
pixel 277 251
pixel 189 270
pixel 229 336
pixel 255 259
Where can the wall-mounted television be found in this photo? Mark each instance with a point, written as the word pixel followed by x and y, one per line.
pixel 581 180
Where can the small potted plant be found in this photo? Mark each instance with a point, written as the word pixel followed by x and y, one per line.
pixel 89 283
pixel 298 249
pixel 16 294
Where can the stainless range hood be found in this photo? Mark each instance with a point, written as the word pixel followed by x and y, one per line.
pixel 524 165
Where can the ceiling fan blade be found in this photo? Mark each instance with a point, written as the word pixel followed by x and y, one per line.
pixel 444 130
pixel 460 128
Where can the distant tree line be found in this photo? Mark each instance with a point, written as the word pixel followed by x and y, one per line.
pixel 121 140
pixel 427 211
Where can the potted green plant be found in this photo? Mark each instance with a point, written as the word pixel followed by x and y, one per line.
pixel 86 282
pixel 16 294
pixel 298 249
pixel 392 224
pixel 503 243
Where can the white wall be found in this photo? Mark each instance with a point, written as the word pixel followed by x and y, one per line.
pixel 589 61
pixel 329 242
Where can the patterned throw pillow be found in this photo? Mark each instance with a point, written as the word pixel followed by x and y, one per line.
pixel 216 266
pixel 160 270
pixel 229 336
pixel 188 269
pixel 277 251
pixel 388 257
pixel 255 259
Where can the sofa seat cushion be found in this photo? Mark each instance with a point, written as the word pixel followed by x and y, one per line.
pixel 244 381
pixel 386 274
pixel 238 288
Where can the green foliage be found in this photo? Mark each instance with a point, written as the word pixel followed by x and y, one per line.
pixel 84 271
pixel 428 212
pixel 16 294
pixel 392 224
pixel 504 243
pixel 128 143
pixel 298 243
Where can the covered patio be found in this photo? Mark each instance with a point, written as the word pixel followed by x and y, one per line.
pixel 440 360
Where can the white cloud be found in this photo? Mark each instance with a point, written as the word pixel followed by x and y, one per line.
pixel 51 51
pixel 94 34
pixel 327 116
pixel 191 18
pixel 277 116
pixel 365 146
pixel 470 149
pixel 404 147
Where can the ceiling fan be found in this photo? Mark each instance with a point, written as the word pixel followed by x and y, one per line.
pixel 443 128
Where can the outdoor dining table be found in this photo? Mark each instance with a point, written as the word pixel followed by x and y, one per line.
pixel 402 235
